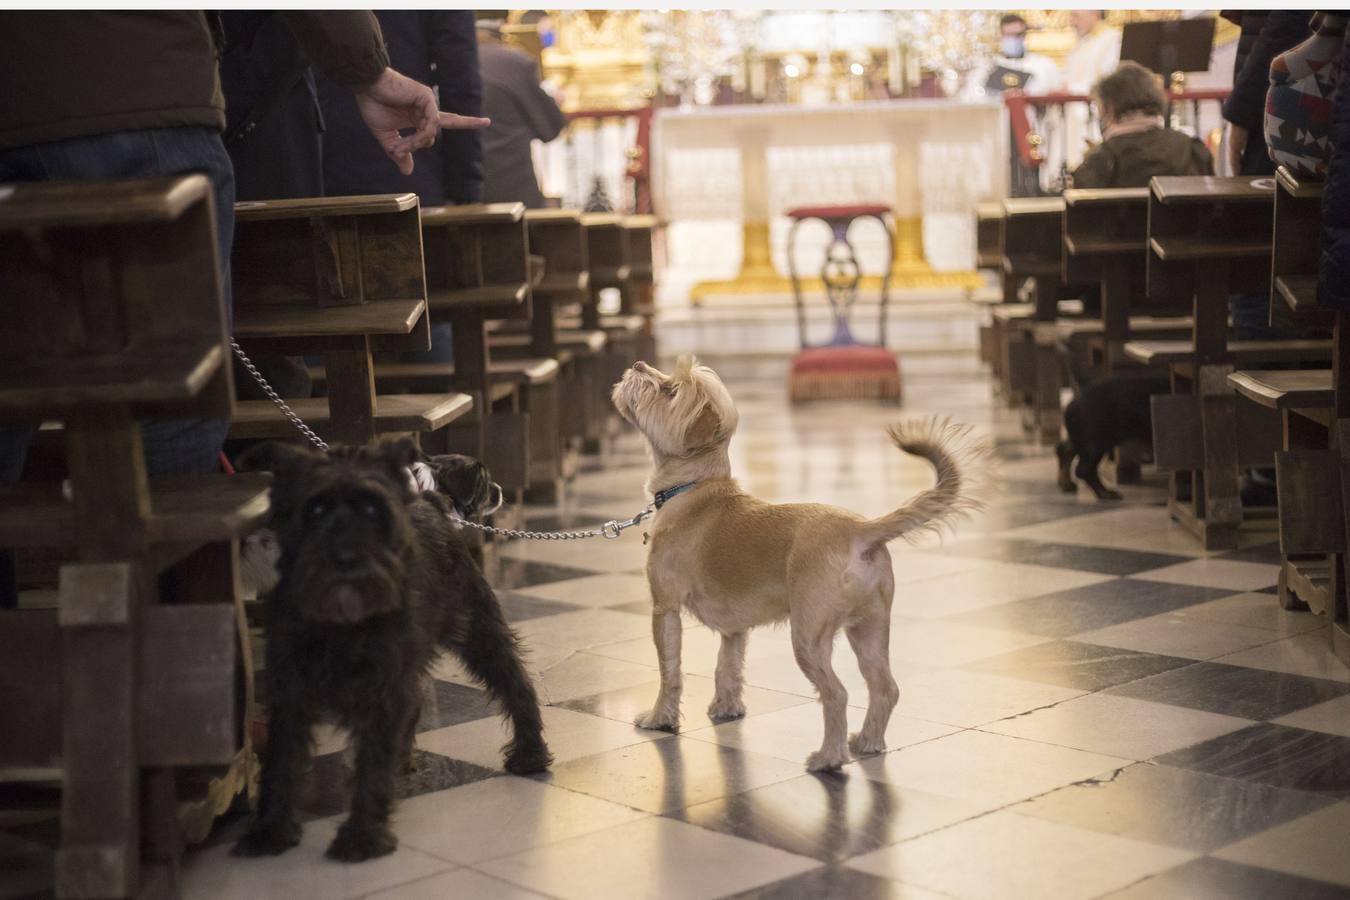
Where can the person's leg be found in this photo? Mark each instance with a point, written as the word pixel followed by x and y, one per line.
pixel 185 446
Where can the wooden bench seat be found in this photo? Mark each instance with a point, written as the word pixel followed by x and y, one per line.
pixel 503 374
pixel 1189 249
pixel 1138 325
pixel 284 322
pixel 1286 388
pixel 1167 353
pixel 161 371
pixel 182 510
pixel 581 342
pixel 394 414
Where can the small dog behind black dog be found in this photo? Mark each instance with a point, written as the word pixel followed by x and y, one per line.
pixel 1106 413
pixel 374 582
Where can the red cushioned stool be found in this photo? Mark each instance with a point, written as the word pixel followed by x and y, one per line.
pixel 845 368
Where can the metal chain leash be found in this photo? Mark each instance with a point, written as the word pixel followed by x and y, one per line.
pixel 609 530
pixel 276 398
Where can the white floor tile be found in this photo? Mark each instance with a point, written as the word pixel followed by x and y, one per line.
pixel 1004 856
pixel 1313 846
pixel 302 871
pixel 1304 654
pixel 1177 635
pixel 990 769
pixel 502 816
pixel 1118 726
pixel 570 735
pixel 653 859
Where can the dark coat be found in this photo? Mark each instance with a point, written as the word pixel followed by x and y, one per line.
pixel 439 49
pixel 1265 35
pixel 1333 276
pixel 521 111
pixel 1131 160
pixel 273 125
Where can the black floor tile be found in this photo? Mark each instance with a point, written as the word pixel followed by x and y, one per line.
pixel 1102 560
pixel 1217 879
pixel 1234 690
pixel 519 573
pixel 832 818
pixel 1174 807
pixel 1066 613
pixel 1257 553
pixel 1276 755
pixel 521 607
pixel 446 703
pixel 636 607
pixel 1088 667
pixel 1022 515
pixel 828 883
pixel 327 787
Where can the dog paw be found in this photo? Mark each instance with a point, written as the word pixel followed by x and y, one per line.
pixel 821 761
pixel 528 760
pixel 1108 494
pixel 358 844
pixel 1068 485
pixel 861 745
pixel 655 720
pixel 724 710
pixel 268 840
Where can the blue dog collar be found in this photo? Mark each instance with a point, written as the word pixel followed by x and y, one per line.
pixel 663 497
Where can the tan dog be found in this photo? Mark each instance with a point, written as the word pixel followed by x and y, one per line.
pixel 736 562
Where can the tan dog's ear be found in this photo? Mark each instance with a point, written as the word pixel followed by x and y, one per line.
pixel 703 430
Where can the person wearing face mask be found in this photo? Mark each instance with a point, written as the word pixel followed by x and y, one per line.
pixel 1036 74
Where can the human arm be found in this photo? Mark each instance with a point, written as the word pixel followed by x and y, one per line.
pixel 348 48
pixel 1097 170
pixel 542 112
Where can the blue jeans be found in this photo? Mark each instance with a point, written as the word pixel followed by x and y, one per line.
pixel 178 447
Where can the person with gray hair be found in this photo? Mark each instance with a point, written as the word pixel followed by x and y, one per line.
pixel 1136 142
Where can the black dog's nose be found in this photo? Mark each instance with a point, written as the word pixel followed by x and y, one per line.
pixel 345 557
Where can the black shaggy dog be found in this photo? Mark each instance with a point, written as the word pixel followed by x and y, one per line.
pixel 374 582
pixel 1106 413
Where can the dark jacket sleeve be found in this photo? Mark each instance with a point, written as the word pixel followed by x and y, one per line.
pixel 1096 170
pixel 346 46
pixel 1201 157
pixel 1246 105
pixel 546 120
pixel 454 50
pixel 1333 276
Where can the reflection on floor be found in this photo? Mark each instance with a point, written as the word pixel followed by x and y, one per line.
pixel 1089 707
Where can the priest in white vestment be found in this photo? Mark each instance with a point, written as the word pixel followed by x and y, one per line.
pixel 1096 55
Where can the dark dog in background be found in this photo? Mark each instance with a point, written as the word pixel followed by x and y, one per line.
pixel 374 583
pixel 1107 412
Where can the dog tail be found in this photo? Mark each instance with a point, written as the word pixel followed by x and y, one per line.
pixel 962 462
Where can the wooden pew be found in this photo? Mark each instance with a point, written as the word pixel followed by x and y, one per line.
pixel 118 689
pixel 1312 406
pixel 1032 248
pixel 479 270
pixel 638 308
pixel 1208 237
pixel 989 255
pixel 558 236
pixel 341 277
pixel 1106 243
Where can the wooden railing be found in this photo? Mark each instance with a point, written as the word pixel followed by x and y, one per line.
pixel 590 159
pixel 1030 143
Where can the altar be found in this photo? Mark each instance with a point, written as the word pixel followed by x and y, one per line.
pixel 932 160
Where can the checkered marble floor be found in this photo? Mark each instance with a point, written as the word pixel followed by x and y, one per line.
pixel 1090 707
